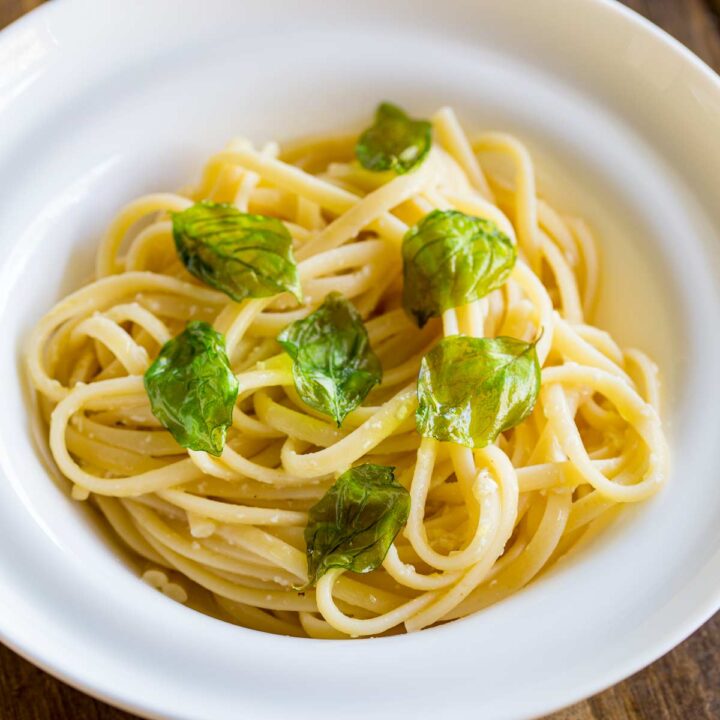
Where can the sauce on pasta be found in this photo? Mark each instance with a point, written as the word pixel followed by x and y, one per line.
pixel 460 519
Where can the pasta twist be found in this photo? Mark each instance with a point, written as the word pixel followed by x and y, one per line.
pixel 225 533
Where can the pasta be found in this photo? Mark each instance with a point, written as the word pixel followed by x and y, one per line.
pixel 225 531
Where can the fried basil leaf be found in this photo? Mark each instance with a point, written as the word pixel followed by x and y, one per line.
pixel 242 255
pixel 192 389
pixel 356 521
pixel 450 259
pixel 394 142
pixel 334 367
pixel 472 389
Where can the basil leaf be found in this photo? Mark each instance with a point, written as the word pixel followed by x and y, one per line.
pixel 242 255
pixel 192 389
pixel 394 141
pixel 356 521
pixel 450 259
pixel 472 389
pixel 334 367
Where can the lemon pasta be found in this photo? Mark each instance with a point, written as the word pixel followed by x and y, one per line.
pixel 348 386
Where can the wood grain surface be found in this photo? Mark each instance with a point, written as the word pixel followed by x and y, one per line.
pixel 683 685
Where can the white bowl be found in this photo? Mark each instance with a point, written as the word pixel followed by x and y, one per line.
pixel 100 102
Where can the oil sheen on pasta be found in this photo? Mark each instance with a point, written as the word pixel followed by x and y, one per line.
pixel 226 533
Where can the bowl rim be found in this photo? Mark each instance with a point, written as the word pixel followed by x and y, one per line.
pixel 36 653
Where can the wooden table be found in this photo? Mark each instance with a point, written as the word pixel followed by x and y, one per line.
pixel 683 685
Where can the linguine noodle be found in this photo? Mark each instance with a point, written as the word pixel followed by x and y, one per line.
pixel 225 534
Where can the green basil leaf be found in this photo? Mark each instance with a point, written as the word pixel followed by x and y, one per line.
pixel 356 521
pixel 242 255
pixel 472 389
pixel 334 367
pixel 450 259
pixel 394 141
pixel 192 389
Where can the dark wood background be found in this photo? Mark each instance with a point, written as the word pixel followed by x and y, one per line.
pixel 683 685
